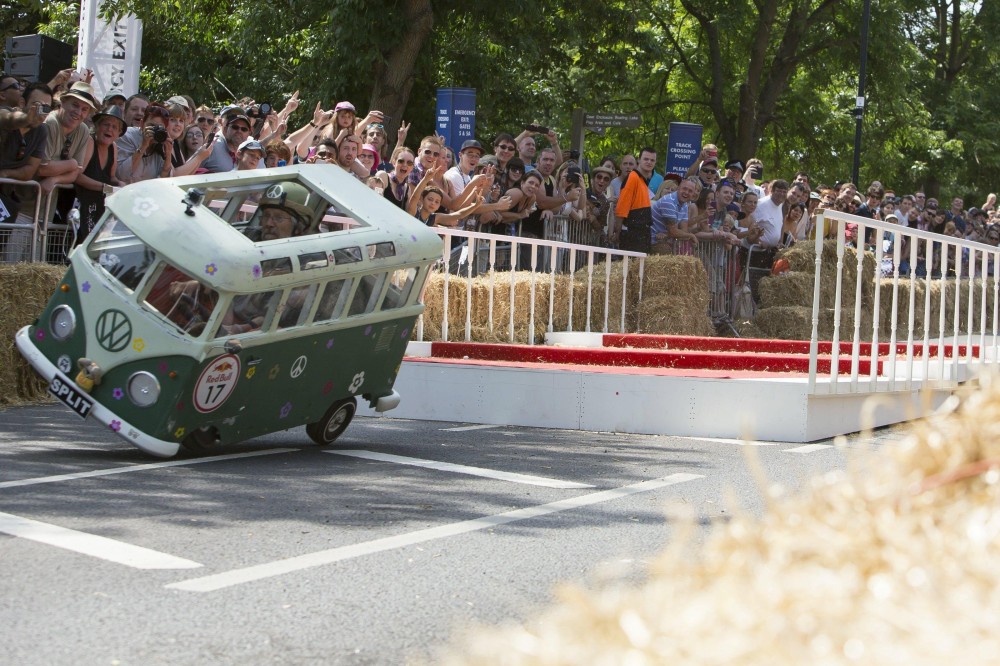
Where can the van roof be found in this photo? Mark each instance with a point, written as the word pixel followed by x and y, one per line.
pixel 212 250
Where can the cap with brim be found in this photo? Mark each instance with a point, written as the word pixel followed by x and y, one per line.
pixel 111 111
pixel 371 148
pixel 472 144
pixel 735 164
pixel 240 117
pixel 676 177
pixel 490 159
pixel 251 144
pixel 177 99
pixel 605 170
pixel 83 92
pixel 114 94
pixel 814 195
pixel 345 106
pixel 230 108
pixel 710 160
pixel 734 208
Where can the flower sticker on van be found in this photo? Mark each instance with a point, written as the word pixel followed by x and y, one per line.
pixel 359 379
pixel 144 206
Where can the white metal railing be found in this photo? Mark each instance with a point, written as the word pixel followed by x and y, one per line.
pixel 953 267
pixel 467 255
pixel 19 242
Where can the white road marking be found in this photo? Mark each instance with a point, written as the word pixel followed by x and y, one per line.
pixel 463 469
pixel 136 468
pixel 91 544
pixel 323 557
pixel 809 448
pixel 723 440
pixel 485 426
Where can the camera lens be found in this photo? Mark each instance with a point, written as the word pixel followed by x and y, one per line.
pixel 159 134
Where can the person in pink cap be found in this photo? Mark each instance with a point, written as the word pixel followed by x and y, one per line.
pixel 369 157
pixel 346 115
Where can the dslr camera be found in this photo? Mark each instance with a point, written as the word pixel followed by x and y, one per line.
pixel 159 133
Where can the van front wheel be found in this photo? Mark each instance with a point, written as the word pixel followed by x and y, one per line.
pixel 334 422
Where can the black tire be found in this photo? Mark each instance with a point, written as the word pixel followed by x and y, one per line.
pixel 334 422
pixel 202 442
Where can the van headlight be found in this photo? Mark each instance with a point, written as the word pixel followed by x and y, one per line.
pixel 143 389
pixel 62 322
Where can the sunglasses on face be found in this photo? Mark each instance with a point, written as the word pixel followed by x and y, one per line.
pixel 202 119
pixel 708 170
pixel 505 147
pixel 432 152
pixel 240 128
pixel 16 84
pixel 404 161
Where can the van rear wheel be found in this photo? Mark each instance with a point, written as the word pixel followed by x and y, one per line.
pixel 334 422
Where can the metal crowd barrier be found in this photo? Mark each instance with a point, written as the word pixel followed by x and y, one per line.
pixel 728 272
pixel 18 241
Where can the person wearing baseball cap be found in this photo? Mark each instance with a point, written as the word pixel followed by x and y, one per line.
pixel 117 98
pixel 250 154
pixel 460 175
pixel 345 115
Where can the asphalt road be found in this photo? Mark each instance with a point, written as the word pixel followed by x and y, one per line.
pixel 375 551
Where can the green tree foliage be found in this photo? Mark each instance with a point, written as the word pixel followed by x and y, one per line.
pixel 774 79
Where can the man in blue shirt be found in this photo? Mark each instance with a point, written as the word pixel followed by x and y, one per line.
pixel 670 216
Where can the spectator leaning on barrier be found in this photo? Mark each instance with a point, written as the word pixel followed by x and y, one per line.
pixel 526 149
pixel 100 164
pixel 633 220
pixel 670 217
pixel 460 175
pixel 23 138
pixel 770 216
pixel 397 183
pixel 67 140
pixel 142 153
pixel 626 167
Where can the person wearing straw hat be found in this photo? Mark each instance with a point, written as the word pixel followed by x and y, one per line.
pixel 100 162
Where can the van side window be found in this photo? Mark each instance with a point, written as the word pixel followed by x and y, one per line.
pixel 400 285
pixel 331 305
pixel 295 310
pixel 119 252
pixel 182 299
pixel 369 287
pixel 248 313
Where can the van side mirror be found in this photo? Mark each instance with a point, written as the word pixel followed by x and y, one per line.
pixel 233 346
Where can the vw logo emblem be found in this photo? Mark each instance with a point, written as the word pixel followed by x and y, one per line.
pixel 113 330
pixel 299 366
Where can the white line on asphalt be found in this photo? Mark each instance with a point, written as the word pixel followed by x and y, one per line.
pixel 137 468
pixel 91 544
pixel 323 557
pixel 484 426
pixel 809 448
pixel 463 469
pixel 723 440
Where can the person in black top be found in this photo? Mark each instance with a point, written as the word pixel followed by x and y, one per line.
pixel 100 159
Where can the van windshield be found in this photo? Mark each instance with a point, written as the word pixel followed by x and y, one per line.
pixel 117 251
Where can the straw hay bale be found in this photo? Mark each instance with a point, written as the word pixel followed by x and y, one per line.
pixel 787 289
pixel 893 562
pixel 25 289
pixel 674 291
pixel 941 290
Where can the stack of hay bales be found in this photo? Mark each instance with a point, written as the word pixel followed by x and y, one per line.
pixel 25 289
pixel 786 300
pixel 674 301
pixel 895 562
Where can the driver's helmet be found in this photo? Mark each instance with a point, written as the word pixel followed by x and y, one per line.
pixel 292 197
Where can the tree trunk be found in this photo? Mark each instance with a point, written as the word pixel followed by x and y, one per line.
pixel 394 74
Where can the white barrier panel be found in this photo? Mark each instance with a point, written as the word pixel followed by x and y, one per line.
pixel 950 350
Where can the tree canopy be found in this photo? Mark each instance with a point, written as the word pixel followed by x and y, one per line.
pixel 775 79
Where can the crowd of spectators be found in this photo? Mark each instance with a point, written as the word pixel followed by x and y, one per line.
pixel 60 133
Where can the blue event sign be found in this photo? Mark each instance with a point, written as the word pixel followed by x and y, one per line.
pixel 683 147
pixel 456 115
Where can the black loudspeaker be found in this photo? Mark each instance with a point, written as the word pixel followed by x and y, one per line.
pixel 36 57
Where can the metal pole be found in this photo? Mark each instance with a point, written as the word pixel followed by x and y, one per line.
pixel 859 109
